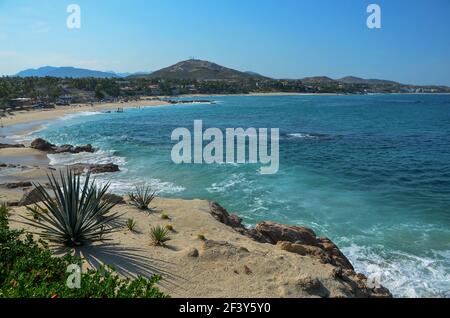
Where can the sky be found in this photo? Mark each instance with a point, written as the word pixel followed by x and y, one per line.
pixel 277 38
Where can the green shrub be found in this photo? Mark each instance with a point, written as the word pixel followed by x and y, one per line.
pixel 29 269
pixel 4 210
pixel 159 235
pixel 164 216
pixel 76 215
pixel 142 196
pixel 131 225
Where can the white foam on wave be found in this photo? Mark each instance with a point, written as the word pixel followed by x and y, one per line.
pixel 223 186
pixel 81 114
pixel 27 136
pixel 303 136
pixel 121 184
pixel 405 275
pixel 98 157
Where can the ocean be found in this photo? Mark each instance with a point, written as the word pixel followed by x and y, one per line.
pixel 372 173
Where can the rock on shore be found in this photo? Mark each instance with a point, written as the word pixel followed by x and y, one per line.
pixel 43 145
pixel 94 168
pixel 5 146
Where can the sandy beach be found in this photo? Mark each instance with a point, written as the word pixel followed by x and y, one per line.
pixel 209 255
pixel 22 117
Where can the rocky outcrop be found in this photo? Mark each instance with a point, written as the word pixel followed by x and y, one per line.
pixel 234 221
pixel 43 145
pixel 94 168
pixel 275 232
pixel 302 241
pixel 15 185
pixel 3 146
pixel 10 165
pixel 74 149
pixel 113 198
pixel 30 197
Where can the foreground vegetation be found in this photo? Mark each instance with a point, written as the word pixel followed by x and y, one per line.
pixel 74 213
pixel 29 269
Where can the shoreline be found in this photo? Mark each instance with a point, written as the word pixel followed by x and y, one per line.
pixel 36 115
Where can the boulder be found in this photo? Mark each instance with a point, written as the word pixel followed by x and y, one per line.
pixel 338 258
pixel 86 148
pixel 15 185
pixel 12 203
pixel 222 215
pixel 304 250
pixel 113 198
pixel 94 168
pixel 62 149
pixel 192 252
pixel 10 165
pixel 3 146
pixel 30 197
pixel 102 168
pixel 275 232
pixel 232 220
pixel 42 145
pixel 73 149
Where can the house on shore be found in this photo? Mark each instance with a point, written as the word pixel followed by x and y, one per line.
pixel 21 102
pixel 64 100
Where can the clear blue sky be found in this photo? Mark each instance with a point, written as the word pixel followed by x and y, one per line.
pixel 278 38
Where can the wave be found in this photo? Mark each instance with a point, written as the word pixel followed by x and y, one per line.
pixel 232 181
pixel 121 184
pixel 98 157
pixel 28 136
pixel 118 182
pixel 310 136
pixel 405 275
pixel 81 114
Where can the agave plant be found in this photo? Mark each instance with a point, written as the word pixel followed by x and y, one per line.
pixel 76 214
pixel 142 196
pixel 131 225
pixel 159 235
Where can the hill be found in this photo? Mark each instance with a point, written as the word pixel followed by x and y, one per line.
pixel 318 80
pixel 202 70
pixel 358 80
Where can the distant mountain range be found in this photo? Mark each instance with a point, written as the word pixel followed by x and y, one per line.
pixel 202 70
pixel 195 70
pixel 346 80
pixel 68 71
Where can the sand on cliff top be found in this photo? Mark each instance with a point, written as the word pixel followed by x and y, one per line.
pixel 228 264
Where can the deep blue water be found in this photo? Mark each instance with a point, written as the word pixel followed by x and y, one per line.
pixel 370 172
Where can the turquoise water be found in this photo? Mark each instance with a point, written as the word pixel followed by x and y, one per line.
pixel 370 172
